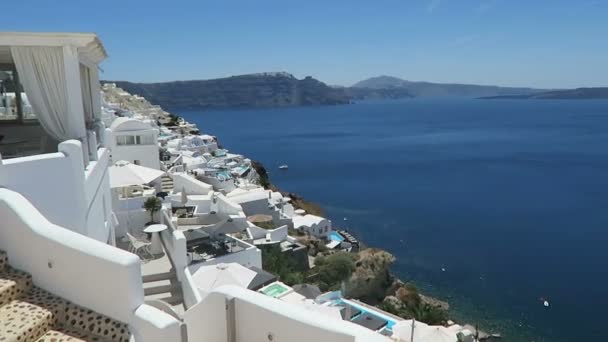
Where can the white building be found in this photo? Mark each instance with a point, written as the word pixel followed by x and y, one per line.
pixel 56 228
pixel 70 185
pixel 134 141
pixel 314 225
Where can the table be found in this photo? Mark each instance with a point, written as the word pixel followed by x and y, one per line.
pixel 156 247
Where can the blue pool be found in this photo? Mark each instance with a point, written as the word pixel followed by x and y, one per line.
pixel 389 321
pixel 335 236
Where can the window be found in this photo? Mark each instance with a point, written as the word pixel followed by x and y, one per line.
pixel 147 139
pixel 125 140
pixel 136 162
pixel 14 104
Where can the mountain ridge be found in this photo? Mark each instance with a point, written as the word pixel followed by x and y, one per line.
pixel 269 89
pixel 431 89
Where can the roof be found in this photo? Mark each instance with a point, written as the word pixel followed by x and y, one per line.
pixel 244 196
pixel 88 44
pixel 128 124
pixel 261 279
pixel 307 220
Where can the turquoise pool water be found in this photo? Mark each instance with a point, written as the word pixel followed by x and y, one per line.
pixel 334 236
pixel 223 175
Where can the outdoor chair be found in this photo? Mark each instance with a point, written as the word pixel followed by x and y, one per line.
pixel 141 247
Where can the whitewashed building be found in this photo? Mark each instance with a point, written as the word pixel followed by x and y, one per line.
pixel 56 230
pixel 314 225
pixel 134 141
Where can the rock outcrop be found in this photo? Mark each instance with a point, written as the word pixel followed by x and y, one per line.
pixel 371 278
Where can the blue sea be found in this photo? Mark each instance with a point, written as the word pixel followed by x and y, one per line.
pixel 491 205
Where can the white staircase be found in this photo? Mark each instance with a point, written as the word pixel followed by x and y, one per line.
pixel 166 183
pixel 165 287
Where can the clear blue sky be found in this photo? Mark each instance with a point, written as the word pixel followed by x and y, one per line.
pixel 541 43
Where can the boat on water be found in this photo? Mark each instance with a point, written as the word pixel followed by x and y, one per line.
pixel 284 167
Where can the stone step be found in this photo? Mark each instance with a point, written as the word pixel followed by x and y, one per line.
pixel 167 298
pixel 158 283
pixel 13 284
pixel 162 289
pixel 24 322
pixel 158 276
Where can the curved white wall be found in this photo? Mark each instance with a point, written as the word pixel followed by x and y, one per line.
pixel 85 271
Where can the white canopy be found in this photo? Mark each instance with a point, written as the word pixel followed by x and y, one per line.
pixel 403 330
pixel 123 173
pixel 210 277
pixel 438 334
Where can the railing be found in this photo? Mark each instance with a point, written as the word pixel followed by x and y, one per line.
pixel 175 246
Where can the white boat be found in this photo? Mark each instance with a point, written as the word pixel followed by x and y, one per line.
pixel 284 167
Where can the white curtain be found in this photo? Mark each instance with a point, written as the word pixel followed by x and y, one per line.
pixel 85 83
pixel 42 74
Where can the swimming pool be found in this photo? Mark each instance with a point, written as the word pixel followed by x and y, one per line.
pixel 335 236
pixel 364 310
pixel 274 290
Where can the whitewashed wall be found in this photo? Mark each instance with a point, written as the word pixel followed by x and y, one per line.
pixel 193 186
pixel 62 189
pixel 256 317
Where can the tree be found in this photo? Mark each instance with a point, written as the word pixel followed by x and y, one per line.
pixel 428 314
pixel 152 205
pixel 283 266
pixel 334 269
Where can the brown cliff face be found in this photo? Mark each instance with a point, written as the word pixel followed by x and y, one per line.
pixel 372 277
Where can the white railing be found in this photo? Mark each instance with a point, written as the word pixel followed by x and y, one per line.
pixel 53 182
pixel 175 246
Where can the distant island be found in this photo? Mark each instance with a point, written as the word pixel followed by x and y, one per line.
pixel 261 90
pixel 429 89
pixel 573 94
pixel 281 89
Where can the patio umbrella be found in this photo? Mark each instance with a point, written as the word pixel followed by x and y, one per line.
pixel 403 330
pixel 438 334
pixel 210 277
pixel 123 173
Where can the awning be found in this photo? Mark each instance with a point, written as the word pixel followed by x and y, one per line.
pixel 123 173
pixel 403 330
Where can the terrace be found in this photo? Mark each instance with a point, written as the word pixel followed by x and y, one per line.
pixel 50 121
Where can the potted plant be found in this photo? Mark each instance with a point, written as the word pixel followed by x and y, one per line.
pixel 152 205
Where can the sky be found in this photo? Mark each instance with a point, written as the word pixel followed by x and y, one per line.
pixel 536 43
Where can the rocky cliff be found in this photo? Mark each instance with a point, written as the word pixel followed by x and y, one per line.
pixel 371 278
pixel 276 89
